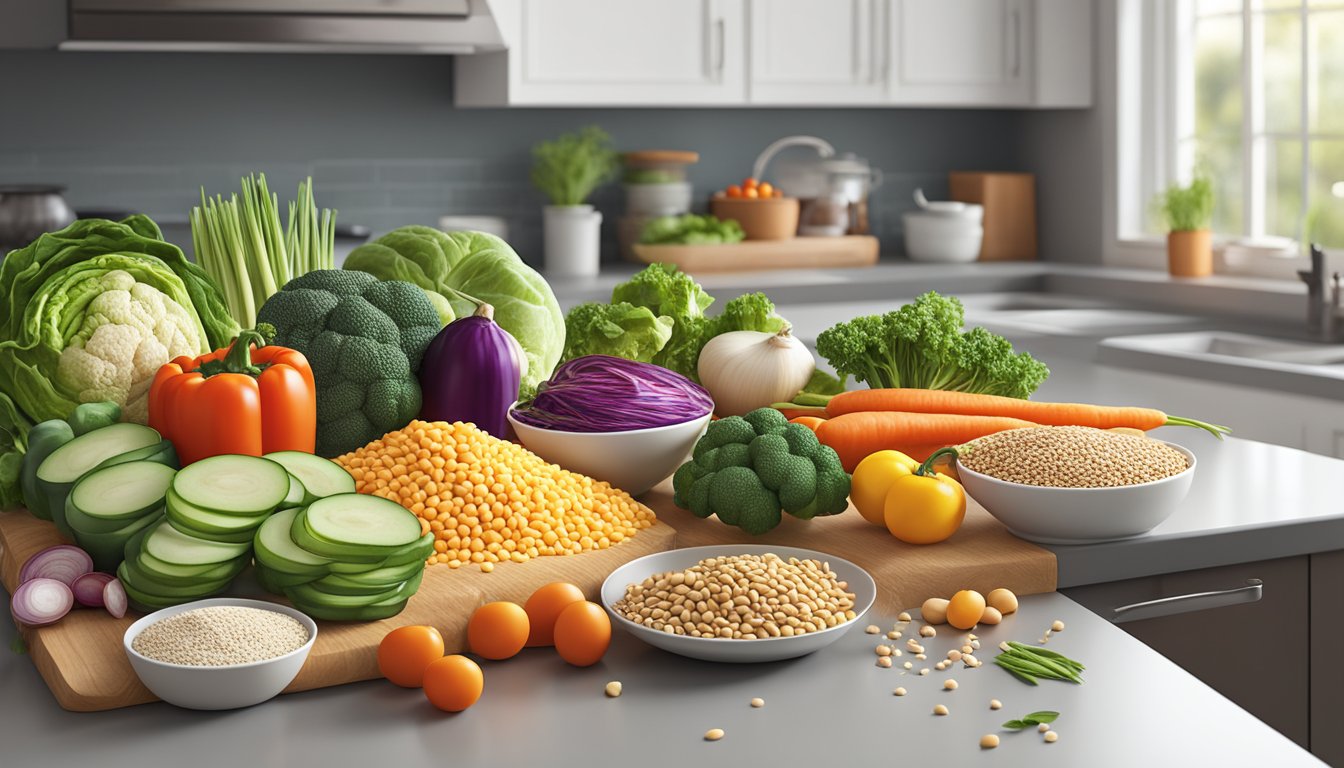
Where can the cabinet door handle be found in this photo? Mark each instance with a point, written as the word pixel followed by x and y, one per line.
pixel 1196 601
pixel 718 50
pixel 1017 43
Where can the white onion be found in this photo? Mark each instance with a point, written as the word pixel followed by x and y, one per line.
pixel 746 370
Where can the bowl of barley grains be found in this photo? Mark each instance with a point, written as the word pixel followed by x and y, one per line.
pixel 1076 485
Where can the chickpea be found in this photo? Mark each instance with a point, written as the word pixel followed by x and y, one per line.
pixel 934 610
pixel 989 741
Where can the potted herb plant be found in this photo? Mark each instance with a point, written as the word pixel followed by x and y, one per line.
pixel 1188 211
pixel 567 170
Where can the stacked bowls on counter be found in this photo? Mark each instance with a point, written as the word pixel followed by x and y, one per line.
pixel 943 231
pixel 655 185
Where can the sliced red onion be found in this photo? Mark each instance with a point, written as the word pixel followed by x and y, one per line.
pixel 63 562
pixel 114 598
pixel 41 601
pixel 88 588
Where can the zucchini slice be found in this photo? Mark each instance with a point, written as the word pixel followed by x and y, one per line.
pixel 248 486
pixel 122 491
pixel 320 477
pixel 172 546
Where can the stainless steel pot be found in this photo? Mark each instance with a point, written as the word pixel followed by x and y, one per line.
pixel 822 175
pixel 29 210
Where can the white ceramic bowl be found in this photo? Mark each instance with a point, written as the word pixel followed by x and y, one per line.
pixel 231 687
pixel 1079 515
pixel 634 460
pixel 940 237
pixel 737 651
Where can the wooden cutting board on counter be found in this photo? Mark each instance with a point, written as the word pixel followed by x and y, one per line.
pixel 752 255
pixel 982 555
pixel 83 663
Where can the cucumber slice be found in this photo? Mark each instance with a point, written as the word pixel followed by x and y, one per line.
pixel 147 601
pixel 297 496
pixel 278 581
pixel 361 520
pixel 233 485
pixel 58 472
pixel 109 548
pixel 170 573
pixel 151 586
pixel 275 550
pixel 172 546
pixel 237 537
pixel 309 594
pixel 163 453
pixel 208 521
pixel 375 612
pixel 82 523
pixel 320 477
pixel 123 491
pixel 417 552
pixel 371 583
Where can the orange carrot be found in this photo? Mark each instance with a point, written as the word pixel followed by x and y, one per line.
pixel 856 435
pixel 802 412
pixel 970 404
pixel 811 422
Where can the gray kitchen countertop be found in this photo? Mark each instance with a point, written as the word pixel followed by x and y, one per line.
pixel 1135 708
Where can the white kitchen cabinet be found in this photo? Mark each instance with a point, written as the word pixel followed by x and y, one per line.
pixel 961 52
pixel 805 54
pixel 610 52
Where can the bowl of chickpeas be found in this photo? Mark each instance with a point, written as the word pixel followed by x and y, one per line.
pixel 739 603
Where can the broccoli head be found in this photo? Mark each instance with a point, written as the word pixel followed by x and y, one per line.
pixel 921 345
pixel 748 469
pixel 364 339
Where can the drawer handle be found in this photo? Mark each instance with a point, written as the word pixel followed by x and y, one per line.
pixel 1197 601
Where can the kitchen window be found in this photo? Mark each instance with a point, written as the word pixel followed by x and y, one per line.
pixel 1249 91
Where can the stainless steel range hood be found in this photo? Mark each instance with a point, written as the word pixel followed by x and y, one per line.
pixel 284 26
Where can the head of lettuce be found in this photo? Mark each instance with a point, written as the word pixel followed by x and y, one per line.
pixel 452 266
pixel 89 314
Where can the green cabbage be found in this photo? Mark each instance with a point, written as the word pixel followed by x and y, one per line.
pixel 88 314
pixel 479 266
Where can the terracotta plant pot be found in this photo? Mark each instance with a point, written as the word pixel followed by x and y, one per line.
pixel 1190 253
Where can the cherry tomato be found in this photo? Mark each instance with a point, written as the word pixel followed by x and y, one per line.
pixel 749 183
pixel 766 189
pixel 779 192
pixel 453 683
pixel 582 633
pixel 544 606
pixel 734 191
pixel 405 652
pixel 751 193
pixel 497 630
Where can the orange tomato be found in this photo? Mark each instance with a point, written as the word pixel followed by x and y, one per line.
pixel 733 191
pixel 779 192
pixel 544 606
pixel 497 630
pixel 965 608
pixel 405 652
pixel 766 189
pixel 582 633
pixel 749 183
pixel 751 192
pixel 453 683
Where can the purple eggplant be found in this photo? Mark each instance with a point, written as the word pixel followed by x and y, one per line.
pixel 471 372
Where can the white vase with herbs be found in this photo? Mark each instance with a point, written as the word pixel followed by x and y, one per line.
pixel 567 170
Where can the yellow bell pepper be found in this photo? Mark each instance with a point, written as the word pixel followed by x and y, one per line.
pixel 924 507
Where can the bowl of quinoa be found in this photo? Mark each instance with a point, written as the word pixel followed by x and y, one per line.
pixel 1076 485
pixel 221 653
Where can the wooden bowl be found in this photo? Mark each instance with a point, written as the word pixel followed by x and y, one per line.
pixel 773 218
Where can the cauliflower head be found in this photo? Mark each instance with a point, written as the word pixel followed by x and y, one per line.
pixel 129 330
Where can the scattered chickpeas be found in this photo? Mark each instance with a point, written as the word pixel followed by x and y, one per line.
pixel 940 710
pixel 904 616
pixel 971 636
pixel 970 660
pixel 991 615
pixel 883 650
pixel 934 610
pixel 954 655
pixel 895 651
pixel 1002 600
pixel 613 689
pixel 1051 737
pixel 758 702
pixel 884 662
pixel 940 666
pixel 924 672
pixel 921 656
pixel 949 684
pixel 928 631
pixel 913 646
pixel 968 648
pixel 975 645
pixel 989 741
pixel 714 734
pixel 1043 727
pixel 898 692
pixel 908 665
pixel 872 629
pixel 995 704
pixel 893 635
pixel 1058 626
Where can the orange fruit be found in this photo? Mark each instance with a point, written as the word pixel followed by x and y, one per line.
pixel 765 189
pixel 733 191
pixel 544 606
pixel 751 192
pixel 406 651
pixel 749 183
pixel 497 630
pixel 582 633
pixel 965 608
pixel 453 683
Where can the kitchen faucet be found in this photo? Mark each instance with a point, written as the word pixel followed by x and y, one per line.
pixel 1322 298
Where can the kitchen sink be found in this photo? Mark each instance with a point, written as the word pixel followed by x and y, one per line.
pixel 1237 346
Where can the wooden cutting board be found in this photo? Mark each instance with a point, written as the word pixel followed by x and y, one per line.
pixel 82 660
pixel 797 253
pixel 982 555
